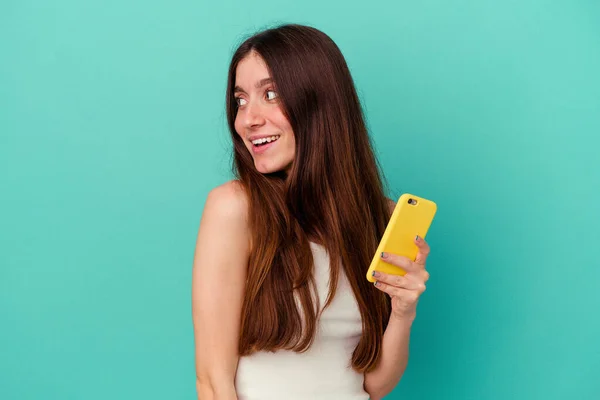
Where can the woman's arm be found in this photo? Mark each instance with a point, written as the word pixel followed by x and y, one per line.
pixel 394 358
pixel 404 292
pixel 218 283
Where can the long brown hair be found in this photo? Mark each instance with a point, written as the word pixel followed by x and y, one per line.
pixel 333 195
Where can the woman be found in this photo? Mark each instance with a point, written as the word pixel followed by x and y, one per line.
pixel 281 305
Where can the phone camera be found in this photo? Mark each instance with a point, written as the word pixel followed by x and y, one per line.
pixel 412 201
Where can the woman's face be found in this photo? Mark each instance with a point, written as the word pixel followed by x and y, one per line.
pixel 260 121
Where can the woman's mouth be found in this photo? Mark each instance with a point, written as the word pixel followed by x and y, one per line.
pixel 262 144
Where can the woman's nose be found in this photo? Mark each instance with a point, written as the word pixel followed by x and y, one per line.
pixel 253 116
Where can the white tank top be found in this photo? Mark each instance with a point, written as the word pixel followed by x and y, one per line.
pixel 323 371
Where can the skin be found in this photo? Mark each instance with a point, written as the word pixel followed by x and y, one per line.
pixel 218 283
pixel 223 244
pixel 260 113
pixel 405 292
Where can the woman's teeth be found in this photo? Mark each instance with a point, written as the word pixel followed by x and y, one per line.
pixel 258 142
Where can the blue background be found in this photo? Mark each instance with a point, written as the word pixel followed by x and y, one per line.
pixel 112 132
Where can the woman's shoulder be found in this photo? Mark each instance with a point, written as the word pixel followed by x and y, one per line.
pixel 225 222
pixel 228 200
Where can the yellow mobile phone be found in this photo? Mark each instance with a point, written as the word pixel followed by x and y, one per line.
pixel 412 216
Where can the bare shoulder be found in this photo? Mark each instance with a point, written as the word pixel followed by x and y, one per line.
pixel 224 232
pixel 227 201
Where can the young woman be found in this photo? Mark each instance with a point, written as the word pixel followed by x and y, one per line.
pixel 281 305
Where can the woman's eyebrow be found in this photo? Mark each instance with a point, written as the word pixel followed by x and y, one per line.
pixel 258 85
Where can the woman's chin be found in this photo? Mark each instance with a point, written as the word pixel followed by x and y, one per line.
pixel 268 168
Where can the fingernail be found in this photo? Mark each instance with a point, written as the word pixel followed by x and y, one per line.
pixel 376 283
pixel 375 274
pixel 417 238
pixel 383 254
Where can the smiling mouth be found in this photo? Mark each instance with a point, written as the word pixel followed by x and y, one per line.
pixel 264 141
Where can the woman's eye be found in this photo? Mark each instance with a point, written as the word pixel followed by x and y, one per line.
pixel 240 101
pixel 271 94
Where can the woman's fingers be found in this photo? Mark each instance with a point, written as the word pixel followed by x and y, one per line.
pixel 423 250
pixel 406 263
pixel 406 295
pixel 400 261
pixel 398 282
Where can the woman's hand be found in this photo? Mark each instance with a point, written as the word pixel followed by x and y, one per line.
pixel 405 290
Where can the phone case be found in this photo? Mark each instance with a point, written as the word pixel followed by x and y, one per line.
pixel 408 220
